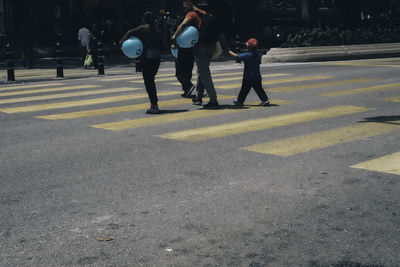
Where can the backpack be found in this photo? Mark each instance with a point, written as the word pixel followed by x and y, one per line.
pixel 209 31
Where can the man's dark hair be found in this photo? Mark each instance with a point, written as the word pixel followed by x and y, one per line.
pixel 148 17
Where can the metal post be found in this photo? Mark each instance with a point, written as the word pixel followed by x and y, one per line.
pixel 238 47
pixel 100 58
pixel 59 61
pixel 10 64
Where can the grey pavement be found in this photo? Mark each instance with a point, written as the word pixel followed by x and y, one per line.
pixel 77 195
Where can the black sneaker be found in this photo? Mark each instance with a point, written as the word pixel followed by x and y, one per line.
pixel 265 103
pixel 237 103
pixel 153 110
pixel 197 101
pixel 188 92
pixel 211 104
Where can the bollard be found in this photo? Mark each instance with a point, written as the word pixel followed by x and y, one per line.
pixel 238 46
pixel 59 61
pixel 10 64
pixel 100 58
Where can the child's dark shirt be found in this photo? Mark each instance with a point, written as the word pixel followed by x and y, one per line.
pixel 252 61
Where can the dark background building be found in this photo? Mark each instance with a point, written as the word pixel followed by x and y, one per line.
pixel 38 22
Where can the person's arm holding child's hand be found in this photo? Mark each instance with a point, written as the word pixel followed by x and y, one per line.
pixel 233 54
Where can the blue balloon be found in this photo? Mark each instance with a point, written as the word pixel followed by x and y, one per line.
pixel 132 47
pixel 188 37
pixel 174 52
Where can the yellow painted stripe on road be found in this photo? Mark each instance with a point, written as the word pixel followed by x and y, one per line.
pixel 120 109
pixel 195 76
pixel 319 85
pixel 81 103
pixel 277 81
pixel 65 88
pixel 57 96
pixel 300 144
pixel 387 164
pixel 239 78
pixel 170 118
pixel 211 132
pixel 134 77
pixel 392 99
pixel 362 90
pixel 8 88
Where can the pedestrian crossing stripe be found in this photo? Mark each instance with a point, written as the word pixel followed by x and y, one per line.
pixel 133 77
pixel 16 87
pixel 318 85
pixel 387 164
pixel 52 73
pixel 361 64
pixel 239 77
pixel 362 90
pixel 195 76
pixel 37 91
pixel 66 95
pixel 78 103
pixel 222 130
pixel 277 81
pixel 392 99
pixel 305 143
pixel 119 109
pixel 176 117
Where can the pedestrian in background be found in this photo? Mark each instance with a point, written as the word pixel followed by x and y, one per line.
pixel 84 39
pixel 251 74
pixel 151 37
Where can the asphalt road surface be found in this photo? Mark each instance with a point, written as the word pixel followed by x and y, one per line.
pixel 87 178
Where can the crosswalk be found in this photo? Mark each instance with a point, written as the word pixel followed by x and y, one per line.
pixel 56 101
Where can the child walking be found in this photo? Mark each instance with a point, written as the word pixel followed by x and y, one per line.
pixel 251 74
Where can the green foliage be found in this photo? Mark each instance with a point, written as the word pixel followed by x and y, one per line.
pixel 334 36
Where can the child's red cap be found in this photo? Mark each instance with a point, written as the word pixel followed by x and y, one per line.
pixel 252 43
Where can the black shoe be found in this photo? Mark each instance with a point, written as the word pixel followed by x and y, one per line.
pixel 265 103
pixel 197 100
pixel 153 110
pixel 211 104
pixel 188 92
pixel 237 103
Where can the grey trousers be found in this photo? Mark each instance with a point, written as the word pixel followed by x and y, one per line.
pixel 202 56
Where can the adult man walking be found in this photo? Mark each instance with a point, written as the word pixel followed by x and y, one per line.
pixel 203 51
pixel 150 35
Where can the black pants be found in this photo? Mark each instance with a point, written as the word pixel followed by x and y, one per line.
pixel 184 67
pixel 149 71
pixel 247 85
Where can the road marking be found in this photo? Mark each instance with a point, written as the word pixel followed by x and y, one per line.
pixel 300 144
pixel 360 64
pixel 81 103
pixel 120 109
pixel 277 81
pixel 210 132
pixel 9 88
pixel 361 90
pixel 387 164
pixel 195 76
pixel 65 88
pixel 57 96
pixel 170 118
pixel 392 99
pixel 134 77
pixel 318 85
pixel 239 77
